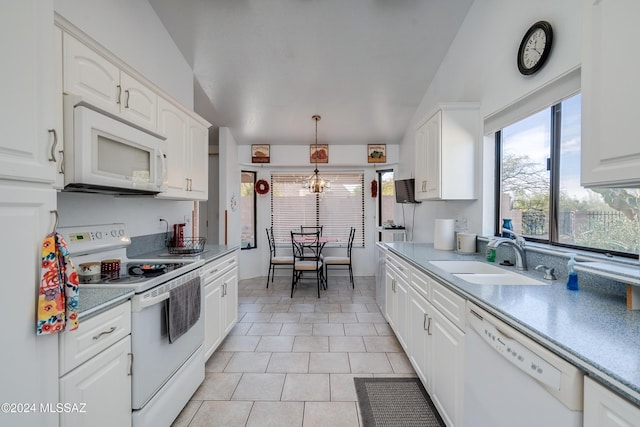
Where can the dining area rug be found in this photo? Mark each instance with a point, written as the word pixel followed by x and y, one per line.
pixel 395 402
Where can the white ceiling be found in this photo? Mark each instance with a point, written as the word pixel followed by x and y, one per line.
pixel 269 65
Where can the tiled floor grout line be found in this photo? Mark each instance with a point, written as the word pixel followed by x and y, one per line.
pixel 355 313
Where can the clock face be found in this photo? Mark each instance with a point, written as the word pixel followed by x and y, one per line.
pixel 534 48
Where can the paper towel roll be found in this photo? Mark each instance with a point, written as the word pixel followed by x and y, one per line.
pixel 444 235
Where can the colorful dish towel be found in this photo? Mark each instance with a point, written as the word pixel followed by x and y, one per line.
pixel 58 298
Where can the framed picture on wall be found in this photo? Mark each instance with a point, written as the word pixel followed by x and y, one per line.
pixel 260 153
pixel 376 153
pixel 319 153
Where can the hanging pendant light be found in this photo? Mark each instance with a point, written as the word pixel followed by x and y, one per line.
pixel 316 183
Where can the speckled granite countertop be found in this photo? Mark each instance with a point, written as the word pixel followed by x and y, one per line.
pixel 591 328
pixel 211 252
pixel 96 300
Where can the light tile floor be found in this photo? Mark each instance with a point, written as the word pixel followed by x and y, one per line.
pixel 291 361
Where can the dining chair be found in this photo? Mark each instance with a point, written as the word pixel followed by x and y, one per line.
pixel 311 229
pixel 274 259
pixel 306 258
pixel 341 261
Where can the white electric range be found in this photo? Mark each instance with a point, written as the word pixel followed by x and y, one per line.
pixel 165 375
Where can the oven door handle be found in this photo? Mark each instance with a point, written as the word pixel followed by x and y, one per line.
pixel 139 304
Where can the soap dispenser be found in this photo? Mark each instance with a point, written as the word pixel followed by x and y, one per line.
pixel 572 280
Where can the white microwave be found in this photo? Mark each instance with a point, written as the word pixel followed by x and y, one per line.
pixel 103 154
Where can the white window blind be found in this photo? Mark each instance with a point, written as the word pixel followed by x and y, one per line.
pixel 336 209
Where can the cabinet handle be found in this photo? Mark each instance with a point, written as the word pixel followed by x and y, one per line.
pixel 429 326
pixel 213 272
pixel 53 146
pixel 61 171
pixel 119 94
pixel 424 323
pixel 126 99
pixel 113 328
pixel 224 289
pixel 187 183
pixel 393 285
pixel 190 184
pixel 130 364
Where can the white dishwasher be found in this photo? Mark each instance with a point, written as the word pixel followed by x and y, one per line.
pixel 510 380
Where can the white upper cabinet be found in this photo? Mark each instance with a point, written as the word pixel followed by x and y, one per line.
pixel 445 147
pixel 610 93
pixel 187 150
pixel 30 139
pixel 97 80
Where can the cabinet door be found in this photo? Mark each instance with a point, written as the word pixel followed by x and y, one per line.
pixel 212 315
pixel 421 162
pixel 139 104
pixel 198 155
pixel 27 74
pixel 402 306
pixel 58 117
pixel 103 383
pixel 603 408
pixel 26 219
pixel 173 124
pixel 432 152
pixel 419 330
pixel 447 373
pixel 230 300
pixel 610 90
pixel 391 300
pixel 91 76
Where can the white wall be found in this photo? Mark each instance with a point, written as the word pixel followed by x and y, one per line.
pixel 132 31
pixel 481 66
pixel 255 262
pixel 229 191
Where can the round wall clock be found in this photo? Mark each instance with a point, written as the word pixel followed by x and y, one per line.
pixel 535 48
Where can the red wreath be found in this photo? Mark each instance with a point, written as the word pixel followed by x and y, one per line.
pixel 374 188
pixel 262 186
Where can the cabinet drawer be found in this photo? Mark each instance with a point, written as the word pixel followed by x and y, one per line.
pixel 218 267
pixel 399 266
pixel 449 303
pixel 93 336
pixel 421 283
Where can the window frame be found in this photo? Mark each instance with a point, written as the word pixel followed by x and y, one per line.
pixel 554 185
pixel 255 209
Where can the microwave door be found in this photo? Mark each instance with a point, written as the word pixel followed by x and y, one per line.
pixel 111 155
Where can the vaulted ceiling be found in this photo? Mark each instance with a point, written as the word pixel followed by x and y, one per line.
pixel 267 66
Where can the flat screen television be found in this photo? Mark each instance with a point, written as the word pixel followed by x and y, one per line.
pixel 405 191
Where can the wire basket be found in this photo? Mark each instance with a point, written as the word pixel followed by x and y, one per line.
pixel 192 245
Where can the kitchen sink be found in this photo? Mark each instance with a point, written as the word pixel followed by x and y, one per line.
pixel 473 267
pixel 481 273
pixel 499 279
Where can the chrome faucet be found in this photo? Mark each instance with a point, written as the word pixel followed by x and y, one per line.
pixel 517 242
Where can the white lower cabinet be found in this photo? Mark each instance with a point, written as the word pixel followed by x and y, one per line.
pixel 220 300
pixel 98 392
pixel 604 408
pixel 447 368
pixel 420 315
pixel 95 363
pixel 428 320
pixel 397 291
